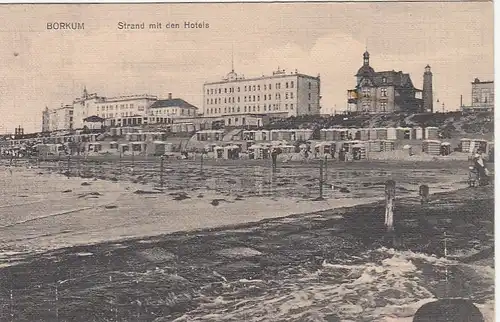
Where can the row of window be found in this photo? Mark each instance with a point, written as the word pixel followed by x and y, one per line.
pixel 247 109
pixel 250 88
pixel 382 107
pixel 366 92
pixel 172 111
pixel 111 107
pixel 252 98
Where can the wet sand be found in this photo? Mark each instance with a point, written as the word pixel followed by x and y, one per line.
pixel 330 265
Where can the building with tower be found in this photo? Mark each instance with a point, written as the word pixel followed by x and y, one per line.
pixel 383 92
pixel 427 90
pixel 280 95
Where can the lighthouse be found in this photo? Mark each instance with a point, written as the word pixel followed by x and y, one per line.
pixel 427 90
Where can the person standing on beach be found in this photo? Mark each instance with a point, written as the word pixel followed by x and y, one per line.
pixel 481 168
pixel 274 157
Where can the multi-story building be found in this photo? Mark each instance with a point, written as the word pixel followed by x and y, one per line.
pixel 57 119
pixel 122 110
pixel 280 95
pixel 171 108
pixel 384 92
pixel 483 95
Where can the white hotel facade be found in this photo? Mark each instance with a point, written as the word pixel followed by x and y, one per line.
pixel 116 109
pixel 280 95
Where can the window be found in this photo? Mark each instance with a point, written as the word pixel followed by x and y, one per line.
pixel 269 97
pixel 238 109
pixel 225 90
pixel 383 107
pixel 291 84
pixel 225 100
pixel 254 87
pixel 309 85
pixel 244 99
pixel 245 88
pixel 258 87
pixel 286 85
pixel 238 99
pixel 291 95
pixel 264 107
pixel 245 108
pixel 238 89
pixel 265 97
pixel 366 92
pixel 286 94
pixel 309 96
pixel 208 91
pixel 309 107
pixel 265 87
pixel 383 92
pixel 254 108
pixel 254 98
pixel 219 90
pixel 208 101
pixel 291 106
pixel 286 107
pixel 384 80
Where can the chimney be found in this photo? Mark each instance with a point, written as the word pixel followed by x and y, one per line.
pixel 169 96
pixel 461 102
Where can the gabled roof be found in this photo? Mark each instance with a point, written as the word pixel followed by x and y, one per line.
pixel 173 102
pixel 392 78
pixel 93 118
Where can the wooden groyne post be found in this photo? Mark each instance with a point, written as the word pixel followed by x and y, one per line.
pixel 326 168
pixel 321 182
pixel 424 194
pixel 161 171
pixel 201 163
pixel 390 194
pixel 69 165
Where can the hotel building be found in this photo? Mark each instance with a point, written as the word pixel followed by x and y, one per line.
pixel 57 119
pixel 279 95
pixel 483 95
pixel 122 110
pixel 387 91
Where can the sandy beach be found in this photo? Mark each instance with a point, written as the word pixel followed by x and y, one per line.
pixel 176 255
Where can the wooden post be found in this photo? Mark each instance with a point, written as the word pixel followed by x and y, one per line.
pixel 133 160
pixel 390 193
pixel 201 163
pixel 326 168
pixel 161 171
pixel 320 178
pixel 424 194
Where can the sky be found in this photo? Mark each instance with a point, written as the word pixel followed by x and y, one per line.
pixel 51 67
